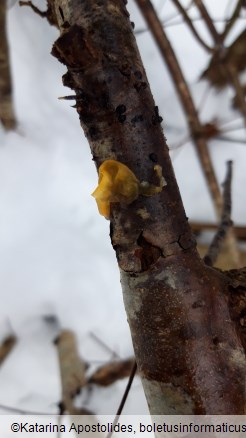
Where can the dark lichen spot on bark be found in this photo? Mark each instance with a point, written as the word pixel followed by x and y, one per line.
pixel 215 340
pixel 104 101
pixel 197 304
pixel 94 132
pixel 121 118
pixel 153 157
pixel 178 372
pixel 85 117
pixel 138 74
pixel 137 118
pixel 186 241
pixel 65 25
pixel 156 118
pixel 139 86
pixel 125 70
pixel 120 109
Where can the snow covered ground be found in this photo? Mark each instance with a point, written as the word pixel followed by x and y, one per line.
pixel 55 253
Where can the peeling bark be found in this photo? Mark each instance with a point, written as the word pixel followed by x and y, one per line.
pixel 7 116
pixel 188 351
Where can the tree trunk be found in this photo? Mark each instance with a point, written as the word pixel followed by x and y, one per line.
pixel 188 352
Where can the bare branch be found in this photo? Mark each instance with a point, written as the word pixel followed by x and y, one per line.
pixel 124 398
pixel 226 222
pixel 33 7
pixel 239 90
pixel 49 13
pixel 220 55
pixel 72 369
pixel 104 345
pixel 7 114
pixel 189 22
pixel 208 21
pixel 111 372
pixel 203 226
pixel 230 23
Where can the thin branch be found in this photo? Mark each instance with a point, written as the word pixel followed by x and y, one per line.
pixel 208 20
pixel 232 129
pixel 233 75
pixel 7 114
pixel 104 345
pixel 189 22
pixel 37 11
pixel 49 13
pixel 226 222
pixel 72 370
pixel 184 94
pixel 219 38
pixel 177 23
pixel 124 398
pixel 240 232
pixel 231 21
pixel 232 140
pixel 22 411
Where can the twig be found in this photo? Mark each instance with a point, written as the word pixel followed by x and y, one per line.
pixel 208 21
pixel 231 20
pixel 219 39
pixel 22 411
pixel 105 346
pixel 232 140
pixel 37 11
pixel 177 23
pixel 7 114
pixel 240 232
pixel 49 13
pixel 226 222
pixel 191 26
pixel 233 75
pixel 124 398
pixel 184 94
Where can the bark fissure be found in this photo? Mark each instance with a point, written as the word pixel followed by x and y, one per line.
pixel 184 339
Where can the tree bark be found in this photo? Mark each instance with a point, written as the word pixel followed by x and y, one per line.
pixel 189 354
pixel 7 116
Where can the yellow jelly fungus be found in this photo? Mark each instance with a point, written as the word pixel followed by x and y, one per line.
pixel 117 183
